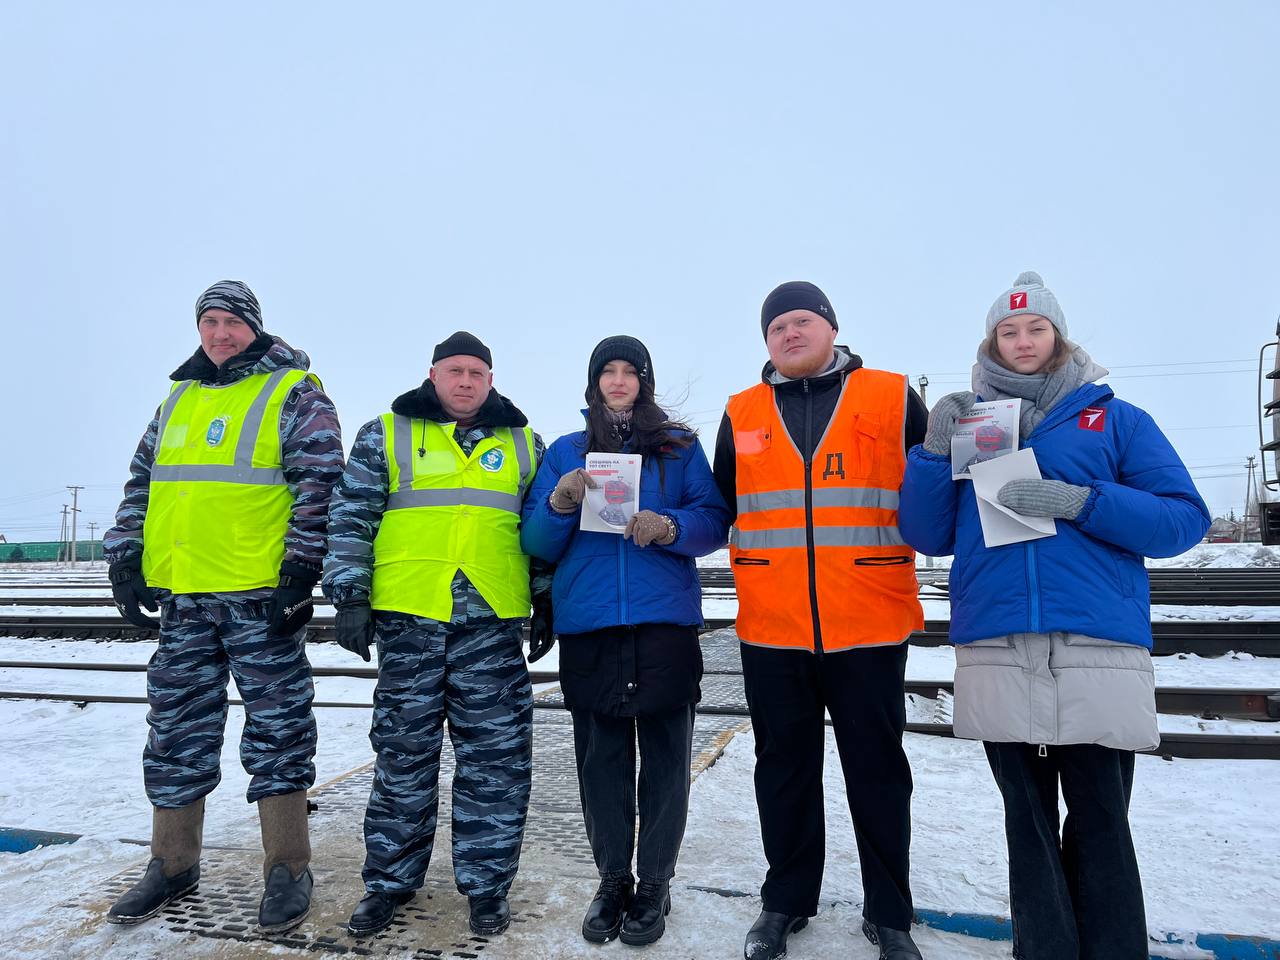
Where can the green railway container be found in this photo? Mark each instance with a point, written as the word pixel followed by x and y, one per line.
pixel 47 551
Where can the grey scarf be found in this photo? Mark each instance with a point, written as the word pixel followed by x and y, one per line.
pixel 1041 391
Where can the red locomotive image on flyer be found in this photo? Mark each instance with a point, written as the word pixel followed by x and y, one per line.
pixel 989 430
pixel 613 498
pixel 616 491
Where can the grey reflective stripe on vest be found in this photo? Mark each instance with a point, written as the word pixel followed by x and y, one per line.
pixel 822 537
pixel 221 472
pixel 242 470
pixel 402 440
pixel 166 410
pixel 823 497
pixel 405 496
pixel 454 497
pixel 521 442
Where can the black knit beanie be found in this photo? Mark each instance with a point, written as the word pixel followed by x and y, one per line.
pixel 795 295
pixel 618 348
pixel 234 297
pixel 465 344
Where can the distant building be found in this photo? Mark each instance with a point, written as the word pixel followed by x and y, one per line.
pixel 1230 530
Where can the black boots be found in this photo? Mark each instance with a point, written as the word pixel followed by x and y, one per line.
pixel 646 919
pixel 286 901
pixel 894 944
pixel 286 847
pixel 767 938
pixel 604 916
pixel 153 893
pixel 489 915
pixel 174 870
pixel 376 910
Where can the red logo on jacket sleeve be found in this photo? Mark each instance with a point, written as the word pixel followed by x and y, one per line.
pixel 1018 301
pixel 1092 418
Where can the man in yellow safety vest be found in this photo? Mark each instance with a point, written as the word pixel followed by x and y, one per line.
pixel 425 560
pixel 223 526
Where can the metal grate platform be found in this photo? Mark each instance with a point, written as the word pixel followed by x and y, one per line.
pixel 434 923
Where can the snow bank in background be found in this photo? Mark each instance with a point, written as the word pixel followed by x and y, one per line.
pixel 1223 555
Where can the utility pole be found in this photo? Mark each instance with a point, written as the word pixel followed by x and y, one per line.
pixel 1252 516
pixel 93 536
pixel 75 500
pixel 924 386
pixel 62 535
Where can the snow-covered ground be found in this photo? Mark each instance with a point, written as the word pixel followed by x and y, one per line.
pixel 1205 830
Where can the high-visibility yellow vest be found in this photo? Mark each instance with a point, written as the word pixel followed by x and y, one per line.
pixel 219 507
pixel 446 512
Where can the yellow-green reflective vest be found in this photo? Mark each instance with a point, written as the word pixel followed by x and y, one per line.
pixel 447 511
pixel 219 506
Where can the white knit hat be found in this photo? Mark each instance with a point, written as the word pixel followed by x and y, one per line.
pixel 1027 295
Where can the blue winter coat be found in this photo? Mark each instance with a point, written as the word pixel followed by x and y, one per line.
pixel 603 580
pixel 1088 579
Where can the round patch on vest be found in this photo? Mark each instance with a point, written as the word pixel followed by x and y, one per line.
pixel 492 460
pixel 217 430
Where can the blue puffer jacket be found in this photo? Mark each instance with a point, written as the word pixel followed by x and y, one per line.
pixel 1088 579
pixel 603 580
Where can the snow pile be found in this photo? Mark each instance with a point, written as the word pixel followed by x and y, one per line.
pixel 1211 555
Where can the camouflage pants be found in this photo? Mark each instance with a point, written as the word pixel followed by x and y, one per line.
pixel 470 671
pixel 202 638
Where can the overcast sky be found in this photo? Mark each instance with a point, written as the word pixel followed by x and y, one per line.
pixel 545 175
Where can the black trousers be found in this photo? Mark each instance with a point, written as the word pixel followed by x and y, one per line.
pixel 862 689
pixel 1078 895
pixel 605 746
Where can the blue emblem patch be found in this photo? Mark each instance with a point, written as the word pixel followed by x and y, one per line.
pixel 217 430
pixel 492 460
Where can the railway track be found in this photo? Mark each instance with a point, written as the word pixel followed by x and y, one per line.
pixel 1207 639
pixel 1208 746
pixel 1236 703
pixel 1235 586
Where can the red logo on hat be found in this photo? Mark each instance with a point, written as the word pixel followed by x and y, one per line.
pixel 1092 418
pixel 1018 301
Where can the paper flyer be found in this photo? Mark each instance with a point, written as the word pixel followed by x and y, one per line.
pixel 1000 525
pixel 987 431
pixel 616 495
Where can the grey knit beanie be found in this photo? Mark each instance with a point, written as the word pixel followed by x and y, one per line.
pixel 235 297
pixel 1027 295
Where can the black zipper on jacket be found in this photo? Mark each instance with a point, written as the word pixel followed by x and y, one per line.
pixel 808 517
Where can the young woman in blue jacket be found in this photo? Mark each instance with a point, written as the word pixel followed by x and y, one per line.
pixel 627 610
pixel 1053 636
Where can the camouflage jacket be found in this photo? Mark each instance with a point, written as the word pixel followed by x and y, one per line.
pixel 310 445
pixel 361 495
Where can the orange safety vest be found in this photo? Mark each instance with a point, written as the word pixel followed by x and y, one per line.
pixel 817 557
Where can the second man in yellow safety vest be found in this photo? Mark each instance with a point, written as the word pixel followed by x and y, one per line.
pixel 426 563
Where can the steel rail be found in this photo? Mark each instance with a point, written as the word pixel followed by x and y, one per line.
pixel 1237 703
pixel 1205 638
pixel 1206 746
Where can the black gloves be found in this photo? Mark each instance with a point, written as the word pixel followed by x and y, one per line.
pixel 541 637
pixel 129 588
pixel 291 605
pixel 353 623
